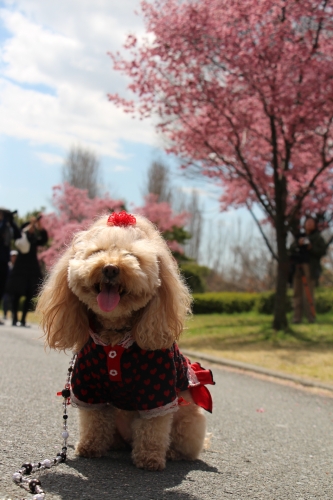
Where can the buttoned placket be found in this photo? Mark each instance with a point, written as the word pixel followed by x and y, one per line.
pixel 113 362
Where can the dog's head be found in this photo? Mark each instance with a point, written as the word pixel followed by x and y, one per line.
pixel 120 272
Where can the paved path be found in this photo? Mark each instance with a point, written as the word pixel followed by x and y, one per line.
pixel 269 441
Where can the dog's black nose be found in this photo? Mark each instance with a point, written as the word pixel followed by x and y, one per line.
pixel 110 271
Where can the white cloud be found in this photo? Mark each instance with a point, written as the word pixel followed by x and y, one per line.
pixel 55 74
pixel 50 158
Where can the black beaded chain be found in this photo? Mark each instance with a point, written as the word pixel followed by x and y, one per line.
pixel 34 485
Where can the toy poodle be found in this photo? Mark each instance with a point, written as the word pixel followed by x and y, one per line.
pixel 117 299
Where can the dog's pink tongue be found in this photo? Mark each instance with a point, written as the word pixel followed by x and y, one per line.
pixel 108 298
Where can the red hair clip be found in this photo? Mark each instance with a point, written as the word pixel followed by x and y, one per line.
pixel 121 219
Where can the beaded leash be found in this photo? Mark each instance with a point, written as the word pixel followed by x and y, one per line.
pixel 34 485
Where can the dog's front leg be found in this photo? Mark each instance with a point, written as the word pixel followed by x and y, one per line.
pixel 151 439
pixel 97 430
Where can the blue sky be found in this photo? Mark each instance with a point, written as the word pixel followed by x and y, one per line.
pixel 54 78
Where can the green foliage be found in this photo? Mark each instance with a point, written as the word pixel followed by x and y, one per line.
pixel 223 302
pixel 178 234
pixel 195 275
pixel 266 300
pixel 263 303
pixel 324 301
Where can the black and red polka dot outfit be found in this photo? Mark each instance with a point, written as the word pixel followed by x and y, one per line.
pixel 131 378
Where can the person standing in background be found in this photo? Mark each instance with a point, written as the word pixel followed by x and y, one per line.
pixel 305 253
pixel 6 299
pixel 26 273
pixel 8 231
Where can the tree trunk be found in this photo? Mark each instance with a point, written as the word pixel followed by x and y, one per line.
pixel 280 321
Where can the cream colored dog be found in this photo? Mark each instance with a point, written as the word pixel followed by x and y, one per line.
pixel 117 299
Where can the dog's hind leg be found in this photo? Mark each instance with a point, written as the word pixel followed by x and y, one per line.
pixel 151 439
pixel 97 431
pixel 188 431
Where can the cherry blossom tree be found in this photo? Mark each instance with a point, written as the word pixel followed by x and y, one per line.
pixel 75 211
pixel 171 225
pixel 243 92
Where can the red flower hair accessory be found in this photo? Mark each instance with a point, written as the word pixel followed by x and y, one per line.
pixel 121 219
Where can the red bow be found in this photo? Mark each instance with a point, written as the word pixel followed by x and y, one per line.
pixel 121 219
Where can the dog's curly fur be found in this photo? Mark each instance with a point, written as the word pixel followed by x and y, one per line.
pixel 154 302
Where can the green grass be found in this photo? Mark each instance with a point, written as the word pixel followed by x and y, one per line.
pixel 305 350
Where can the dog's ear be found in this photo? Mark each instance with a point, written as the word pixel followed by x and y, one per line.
pixel 161 322
pixel 63 317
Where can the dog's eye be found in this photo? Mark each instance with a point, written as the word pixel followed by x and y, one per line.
pixel 129 254
pixel 93 253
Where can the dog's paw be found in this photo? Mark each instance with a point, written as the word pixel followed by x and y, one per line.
pixel 149 463
pixel 89 450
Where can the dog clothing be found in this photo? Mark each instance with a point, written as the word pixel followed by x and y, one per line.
pixel 131 378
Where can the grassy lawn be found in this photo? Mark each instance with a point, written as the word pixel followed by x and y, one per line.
pixel 306 351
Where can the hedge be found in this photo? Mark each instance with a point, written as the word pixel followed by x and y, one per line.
pixel 324 301
pixel 195 276
pixel 266 300
pixel 263 303
pixel 223 302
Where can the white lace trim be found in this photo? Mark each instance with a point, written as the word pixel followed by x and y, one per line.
pixel 192 378
pixel 155 412
pixel 125 343
pixel 76 403
pixel 96 338
pixel 162 410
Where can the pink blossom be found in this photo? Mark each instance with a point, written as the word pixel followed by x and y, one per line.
pixel 161 214
pixel 75 211
pixel 220 74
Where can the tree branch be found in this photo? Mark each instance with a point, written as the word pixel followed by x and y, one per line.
pixel 269 246
pixel 324 166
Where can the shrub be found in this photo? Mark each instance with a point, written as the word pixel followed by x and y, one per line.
pixel 223 302
pixel 195 276
pixel 324 301
pixel 266 300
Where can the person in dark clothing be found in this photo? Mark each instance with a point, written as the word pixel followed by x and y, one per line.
pixel 8 231
pixel 7 299
pixel 26 274
pixel 306 252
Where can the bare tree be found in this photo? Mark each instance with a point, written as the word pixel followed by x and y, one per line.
pixel 158 182
pixel 216 248
pixel 82 170
pixel 194 226
pixel 239 260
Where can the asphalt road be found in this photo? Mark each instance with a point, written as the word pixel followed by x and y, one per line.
pixel 269 441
